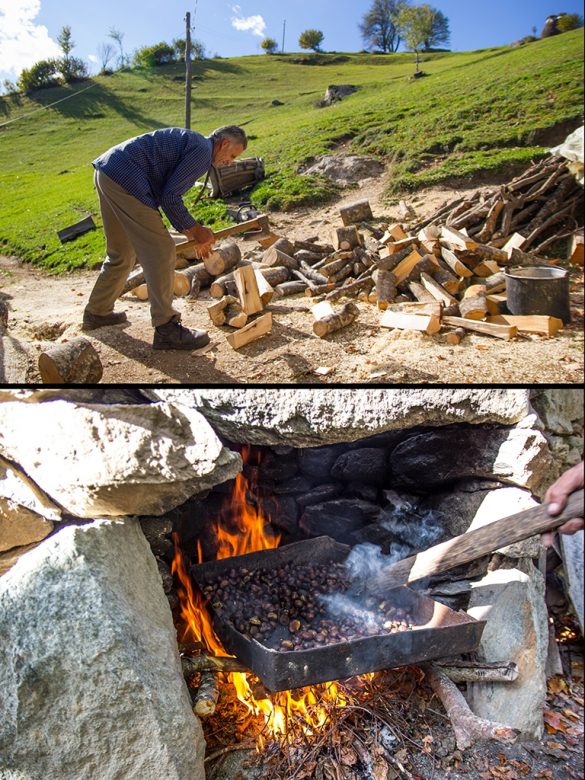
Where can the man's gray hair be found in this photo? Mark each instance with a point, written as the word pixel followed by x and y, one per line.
pixel 232 132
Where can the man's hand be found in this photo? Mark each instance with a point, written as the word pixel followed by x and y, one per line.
pixel 556 498
pixel 204 238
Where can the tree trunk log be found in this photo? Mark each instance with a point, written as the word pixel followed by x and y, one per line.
pixel 73 363
pixel 289 288
pixel 346 237
pixel 222 259
pixel 276 257
pixel 468 727
pixel 191 274
pixel 335 322
pixel 350 289
pixel 385 287
pixel 473 305
pixel 353 213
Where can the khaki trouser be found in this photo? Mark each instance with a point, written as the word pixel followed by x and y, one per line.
pixel 134 232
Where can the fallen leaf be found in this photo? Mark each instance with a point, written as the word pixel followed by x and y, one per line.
pixel 427 742
pixel 552 721
pixel 557 684
pixel 570 714
pixel 380 769
pixel 348 756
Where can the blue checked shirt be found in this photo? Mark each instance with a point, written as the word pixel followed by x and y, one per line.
pixel 159 168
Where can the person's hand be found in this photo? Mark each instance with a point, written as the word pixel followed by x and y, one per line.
pixel 556 498
pixel 204 238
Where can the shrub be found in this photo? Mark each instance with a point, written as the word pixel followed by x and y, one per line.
pixel 151 56
pixel 45 73
pixel 311 39
pixel 269 45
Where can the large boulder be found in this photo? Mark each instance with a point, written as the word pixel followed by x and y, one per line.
pixel 19 526
pixel 89 669
pixel 114 460
pixel 310 418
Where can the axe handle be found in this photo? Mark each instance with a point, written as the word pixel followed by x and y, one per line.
pixel 242 227
pixel 474 544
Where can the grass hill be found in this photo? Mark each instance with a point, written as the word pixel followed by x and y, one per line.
pixel 473 112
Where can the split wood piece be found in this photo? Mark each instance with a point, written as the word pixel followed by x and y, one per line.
pixel 207 695
pixel 268 240
pixel 577 250
pixel 505 332
pixel 444 277
pixel 407 213
pixel 433 308
pixel 222 259
pixel 393 234
pixel 234 316
pixel 289 288
pixel 389 262
pixel 403 269
pixel 334 322
pixel 474 544
pixel 530 323
pixel 346 235
pixel 486 268
pixel 459 671
pixel 421 293
pixel 313 246
pixel 353 213
pixel 321 310
pixel 515 241
pixel 497 303
pixel 454 263
pixel 75 362
pixel 140 292
pixel 427 323
pixel 456 336
pixel 245 279
pixel 211 663
pixel 393 247
pixel 438 292
pixel 216 310
pixel 284 245
pixel 457 239
pixel 385 282
pixel 473 304
pixel 495 283
pixel 429 238
pixel 353 288
pixel 265 290
pixel 219 286
pixel 276 257
pixel 255 330
pixel 468 728
pixel 428 264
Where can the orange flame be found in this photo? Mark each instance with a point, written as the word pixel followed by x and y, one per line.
pixel 253 533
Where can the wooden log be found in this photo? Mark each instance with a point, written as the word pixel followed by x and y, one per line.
pixel 318 289
pixel 276 257
pixel 252 332
pixel 426 265
pixel 505 332
pixel 389 262
pixel 392 248
pixel 445 278
pixel 181 285
pixel 496 303
pixel 207 695
pixel 235 316
pixel 245 279
pixel 222 259
pixel 520 258
pixel 353 288
pixel 438 292
pixel 407 213
pixel 495 283
pixel 135 279
pixel 289 288
pixel 357 212
pixel 393 234
pixel 349 235
pixel 313 276
pixel 454 263
pixel 334 322
pixel 473 304
pixel 75 362
pixel 420 292
pixel 459 671
pixel 216 310
pixel 265 290
pixel 457 239
pixel 475 544
pixel 385 282
pixel 427 323
pixel 211 663
pixel 403 269
pixel 313 246
pixel 542 324
pixel 489 227
pixel 455 336
pixel 310 258
pixel 194 274
pixel 486 268
pixel 140 292
pixel 332 268
pixel 468 728
pixel 321 310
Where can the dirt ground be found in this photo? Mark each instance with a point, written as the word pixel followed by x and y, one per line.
pixel 44 309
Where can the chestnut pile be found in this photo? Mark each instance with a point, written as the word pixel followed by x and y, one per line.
pixel 284 608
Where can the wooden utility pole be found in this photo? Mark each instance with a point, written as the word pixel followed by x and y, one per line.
pixel 283 31
pixel 188 72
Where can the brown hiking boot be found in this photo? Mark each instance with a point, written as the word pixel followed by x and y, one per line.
pixel 93 321
pixel 173 335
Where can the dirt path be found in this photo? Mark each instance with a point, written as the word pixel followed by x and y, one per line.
pixel 44 309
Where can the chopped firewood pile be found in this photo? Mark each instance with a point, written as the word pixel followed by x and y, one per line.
pixel 444 274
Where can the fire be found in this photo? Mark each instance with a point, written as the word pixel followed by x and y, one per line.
pixel 308 707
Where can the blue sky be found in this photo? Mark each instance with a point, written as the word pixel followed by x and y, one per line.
pixel 29 28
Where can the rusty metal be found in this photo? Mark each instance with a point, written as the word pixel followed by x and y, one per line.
pixel 438 631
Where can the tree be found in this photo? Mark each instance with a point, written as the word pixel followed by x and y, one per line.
pixel 66 45
pixel 378 26
pixel 197 50
pixel 118 37
pixel 418 26
pixel 311 39
pixel 106 53
pixel 45 73
pixel 151 56
pixel 567 22
pixel 269 45
pixel 439 33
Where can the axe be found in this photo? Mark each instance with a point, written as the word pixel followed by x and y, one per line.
pixel 253 229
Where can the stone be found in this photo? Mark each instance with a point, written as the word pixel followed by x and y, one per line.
pixel 560 409
pixel 517 456
pixel 318 494
pixel 89 667
pixel 366 465
pixel 311 418
pixel 338 518
pixel 10 557
pixel 458 505
pixel 345 169
pixel 572 553
pixel 19 526
pixel 17 486
pixel 277 468
pixel 115 460
pixel 512 603
pixel 282 511
pixel 317 462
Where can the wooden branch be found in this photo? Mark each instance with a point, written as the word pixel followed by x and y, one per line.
pixel 211 663
pixel 459 671
pixel 207 695
pixel 350 289
pixel 468 728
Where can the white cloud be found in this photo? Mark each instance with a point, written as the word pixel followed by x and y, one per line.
pixel 92 58
pixel 22 42
pixel 254 24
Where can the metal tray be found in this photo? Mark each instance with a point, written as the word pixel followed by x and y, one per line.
pixel 440 632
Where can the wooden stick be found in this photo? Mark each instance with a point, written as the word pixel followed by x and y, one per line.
pixel 476 671
pixel 474 544
pixel 207 695
pixel 211 663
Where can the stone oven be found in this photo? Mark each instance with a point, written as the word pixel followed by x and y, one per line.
pixel 100 488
